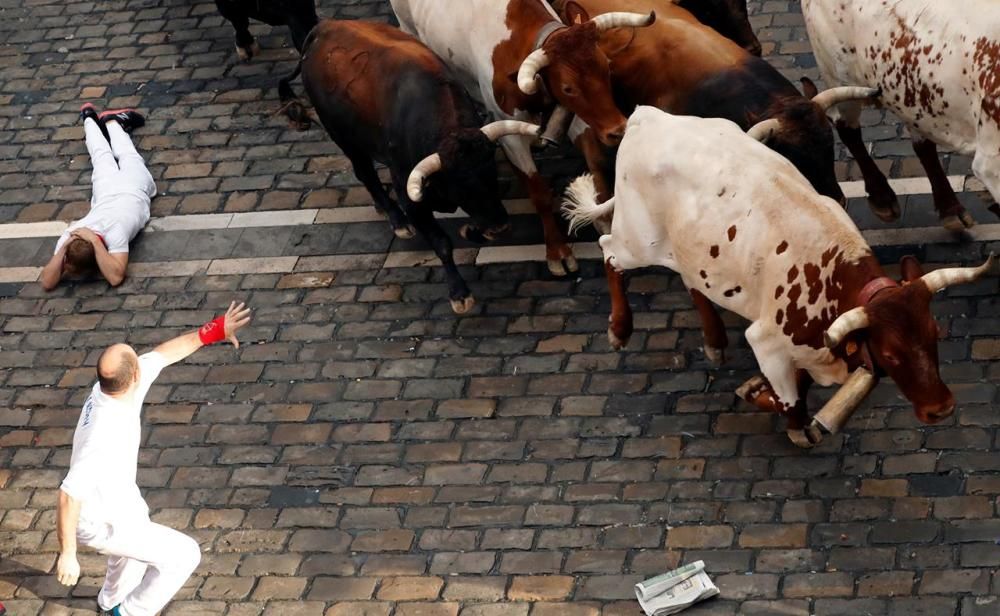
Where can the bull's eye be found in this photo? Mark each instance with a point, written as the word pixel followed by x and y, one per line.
pixel 569 90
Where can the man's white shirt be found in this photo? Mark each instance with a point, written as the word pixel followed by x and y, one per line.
pixel 105 459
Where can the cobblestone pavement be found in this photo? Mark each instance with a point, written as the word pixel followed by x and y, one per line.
pixel 367 453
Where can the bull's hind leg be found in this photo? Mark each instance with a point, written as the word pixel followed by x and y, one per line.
pixel 712 327
pixel 246 45
pixel 953 215
pixel 986 164
pixel 364 170
pixel 881 198
pixel 620 323
pixel 558 254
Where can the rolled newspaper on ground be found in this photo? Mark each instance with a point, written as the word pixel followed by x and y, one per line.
pixel 675 590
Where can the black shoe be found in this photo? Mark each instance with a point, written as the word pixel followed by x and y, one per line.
pixel 128 119
pixel 89 111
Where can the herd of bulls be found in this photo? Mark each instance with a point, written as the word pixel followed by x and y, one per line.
pixel 703 157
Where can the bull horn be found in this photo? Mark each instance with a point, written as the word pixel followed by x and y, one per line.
pixel 852 320
pixel 838 410
pixel 535 62
pixel 942 278
pixel 835 96
pixel 425 168
pixel 495 130
pixel 762 131
pixel 623 20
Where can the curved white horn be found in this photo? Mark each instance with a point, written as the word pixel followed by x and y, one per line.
pixel 852 320
pixel 620 20
pixel 942 278
pixel 495 130
pixel 535 62
pixel 762 131
pixel 835 96
pixel 420 173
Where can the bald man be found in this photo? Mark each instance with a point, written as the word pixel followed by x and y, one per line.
pixel 99 502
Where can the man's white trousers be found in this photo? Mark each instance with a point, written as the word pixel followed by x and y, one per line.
pixel 147 563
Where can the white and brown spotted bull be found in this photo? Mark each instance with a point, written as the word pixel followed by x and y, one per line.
pixel 520 60
pixel 746 231
pixel 938 66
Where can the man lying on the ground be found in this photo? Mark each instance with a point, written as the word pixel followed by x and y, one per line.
pixel 119 208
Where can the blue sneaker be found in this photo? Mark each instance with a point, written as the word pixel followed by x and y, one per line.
pixel 112 612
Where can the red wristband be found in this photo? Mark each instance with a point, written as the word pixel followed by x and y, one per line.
pixel 213 331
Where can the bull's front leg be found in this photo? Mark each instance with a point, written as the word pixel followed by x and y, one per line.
pixel 558 254
pixel 782 388
pixel 881 198
pixel 423 219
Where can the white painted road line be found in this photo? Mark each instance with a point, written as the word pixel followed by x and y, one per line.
pixel 367 213
pixel 463 256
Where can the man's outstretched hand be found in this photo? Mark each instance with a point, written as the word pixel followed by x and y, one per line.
pixel 237 317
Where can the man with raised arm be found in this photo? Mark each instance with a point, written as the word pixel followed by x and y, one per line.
pixel 119 206
pixel 99 502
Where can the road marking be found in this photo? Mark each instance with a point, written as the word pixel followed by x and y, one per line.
pixel 367 213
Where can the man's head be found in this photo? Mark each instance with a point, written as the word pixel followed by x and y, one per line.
pixel 80 258
pixel 118 369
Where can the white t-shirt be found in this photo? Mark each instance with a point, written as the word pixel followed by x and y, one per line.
pixel 105 458
pixel 117 220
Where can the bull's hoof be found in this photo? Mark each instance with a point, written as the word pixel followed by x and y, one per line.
pixel 617 342
pixel 463 306
pixel 715 355
pixel 246 53
pixel 749 390
pixel 298 117
pixel 562 267
pixel 958 222
pixel 406 232
pixel 995 208
pixel 800 438
pixel 886 211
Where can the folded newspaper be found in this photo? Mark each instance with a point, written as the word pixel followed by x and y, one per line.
pixel 675 590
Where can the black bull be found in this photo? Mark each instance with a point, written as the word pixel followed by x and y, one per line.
pixel 384 97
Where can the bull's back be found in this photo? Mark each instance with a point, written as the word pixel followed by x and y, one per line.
pixel 361 76
pixel 723 203
pixel 660 64
pixel 462 33
pixel 921 53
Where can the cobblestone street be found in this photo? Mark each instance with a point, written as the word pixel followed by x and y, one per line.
pixel 366 452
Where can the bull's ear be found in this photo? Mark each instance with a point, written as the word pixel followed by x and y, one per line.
pixel 576 14
pixel 809 88
pixel 910 268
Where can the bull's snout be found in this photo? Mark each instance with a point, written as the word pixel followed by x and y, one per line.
pixel 934 413
pixel 614 136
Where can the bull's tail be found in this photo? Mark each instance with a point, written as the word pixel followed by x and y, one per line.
pixel 580 206
pixel 290 103
pixel 285 91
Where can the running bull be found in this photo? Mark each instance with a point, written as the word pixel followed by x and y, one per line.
pixel 745 230
pixel 938 65
pixel 383 96
pixel 684 67
pixel 519 60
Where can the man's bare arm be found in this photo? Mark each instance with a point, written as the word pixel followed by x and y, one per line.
pixel 68 516
pixel 53 270
pixel 237 317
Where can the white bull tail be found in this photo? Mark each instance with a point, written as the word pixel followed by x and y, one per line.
pixel 580 206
